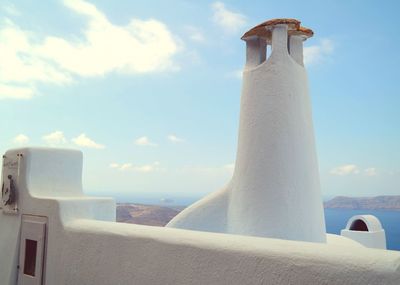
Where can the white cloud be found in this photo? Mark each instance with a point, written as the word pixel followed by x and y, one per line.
pixel 144 141
pixel 10 91
pixel 229 166
pixel 349 169
pixel 318 53
pixel 231 22
pixel 191 57
pixel 175 139
pixel 55 138
pixel 84 141
pixel 195 34
pixel 224 169
pixel 236 74
pixel 137 168
pixel 144 168
pixel 141 46
pixel 11 10
pixel 345 170
pixel 114 165
pixel 123 166
pixel 126 166
pixel 370 171
pixel 21 139
pixel 20 66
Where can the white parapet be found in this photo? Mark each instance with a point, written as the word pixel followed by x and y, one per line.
pixel 48 184
pixel 367 230
pixel 77 241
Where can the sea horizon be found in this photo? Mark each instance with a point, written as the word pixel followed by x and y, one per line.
pixel 335 219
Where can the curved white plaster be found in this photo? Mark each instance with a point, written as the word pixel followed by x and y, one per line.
pixel 48 182
pixel 296 48
pixel 54 172
pixel 274 191
pixel 134 254
pixel 208 214
pixel 372 222
pixel 279 40
pixel 374 237
pixel 86 246
pixel 256 51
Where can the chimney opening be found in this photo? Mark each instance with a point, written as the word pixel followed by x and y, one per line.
pixel 359 225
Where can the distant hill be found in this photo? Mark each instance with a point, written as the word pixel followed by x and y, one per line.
pixel 145 214
pixel 154 215
pixel 364 203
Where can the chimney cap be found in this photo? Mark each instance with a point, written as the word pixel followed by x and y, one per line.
pixel 263 30
pixel 302 31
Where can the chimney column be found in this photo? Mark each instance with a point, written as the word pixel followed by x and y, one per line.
pixel 296 48
pixel 256 50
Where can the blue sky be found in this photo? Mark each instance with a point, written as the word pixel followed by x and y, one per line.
pixel 149 90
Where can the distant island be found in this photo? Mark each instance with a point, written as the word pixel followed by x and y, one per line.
pixel 145 214
pixel 364 203
pixel 156 215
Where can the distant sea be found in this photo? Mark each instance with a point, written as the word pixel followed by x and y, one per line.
pixel 336 219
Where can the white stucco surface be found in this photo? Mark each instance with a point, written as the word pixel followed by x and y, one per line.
pixel 85 245
pixel 150 255
pixel 275 190
pixel 375 237
pixel 49 184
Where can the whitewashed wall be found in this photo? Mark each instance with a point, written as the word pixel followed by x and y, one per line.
pixel 86 246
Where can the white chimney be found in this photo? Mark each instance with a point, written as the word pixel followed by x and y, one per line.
pixel 275 190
